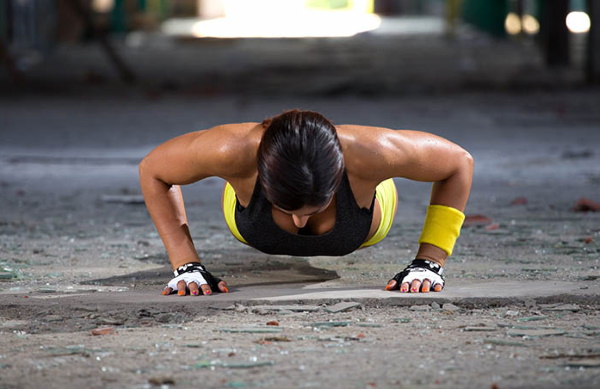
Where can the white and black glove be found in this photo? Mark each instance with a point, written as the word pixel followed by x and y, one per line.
pixel 194 272
pixel 421 270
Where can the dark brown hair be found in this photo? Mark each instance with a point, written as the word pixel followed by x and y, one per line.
pixel 300 160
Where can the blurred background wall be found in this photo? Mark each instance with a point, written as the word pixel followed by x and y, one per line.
pixel 275 46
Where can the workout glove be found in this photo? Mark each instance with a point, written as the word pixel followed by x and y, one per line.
pixel 421 270
pixel 194 272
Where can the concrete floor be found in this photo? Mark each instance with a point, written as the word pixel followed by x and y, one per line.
pixel 72 137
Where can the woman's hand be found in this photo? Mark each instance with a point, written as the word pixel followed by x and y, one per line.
pixel 195 278
pixel 420 276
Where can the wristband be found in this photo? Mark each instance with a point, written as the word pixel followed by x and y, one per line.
pixel 442 227
pixel 189 268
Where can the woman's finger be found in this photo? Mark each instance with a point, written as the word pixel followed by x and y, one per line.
pixel 181 287
pixel 415 286
pixel 404 287
pixel 167 291
pixel 223 287
pixel 438 287
pixel 391 285
pixel 426 286
pixel 206 290
pixel 193 286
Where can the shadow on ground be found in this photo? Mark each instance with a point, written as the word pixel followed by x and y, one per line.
pixel 259 271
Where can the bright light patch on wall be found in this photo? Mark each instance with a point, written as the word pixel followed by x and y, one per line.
pixel 578 22
pixel 512 24
pixel 528 24
pixel 303 23
pixel 102 6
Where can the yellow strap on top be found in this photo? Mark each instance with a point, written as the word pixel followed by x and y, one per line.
pixel 387 196
pixel 442 227
pixel 229 202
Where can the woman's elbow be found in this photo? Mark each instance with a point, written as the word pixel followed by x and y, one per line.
pixel 464 165
pixel 142 167
pixel 145 168
pixel 468 160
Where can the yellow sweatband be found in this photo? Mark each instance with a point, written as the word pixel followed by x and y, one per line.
pixel 442 227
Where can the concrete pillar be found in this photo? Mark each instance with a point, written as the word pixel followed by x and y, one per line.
pixel 593 44
pixel 554 33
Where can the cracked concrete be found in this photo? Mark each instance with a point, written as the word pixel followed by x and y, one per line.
pixel 78 252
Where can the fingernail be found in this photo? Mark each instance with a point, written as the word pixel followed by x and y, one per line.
pixel 195 292
pixel 404 290
pixel 181 292
pixel 164 292
pixel 208 292
pixel 388 287
pixel 225 289
pixel 414 289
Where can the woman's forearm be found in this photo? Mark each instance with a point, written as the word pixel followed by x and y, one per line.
pixel 167 210
pixel 452 192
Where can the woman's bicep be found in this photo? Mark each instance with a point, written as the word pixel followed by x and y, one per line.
pixel 426 157
pixel 181 160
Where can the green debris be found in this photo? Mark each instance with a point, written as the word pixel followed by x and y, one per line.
pixel 246 365
pixel 236 384
pixel 231 365
pixel 479 328
pixel 69 350
pixel 502 342
pixel 7 276
pixel 535 333
pixel 533 318
pixel 331 324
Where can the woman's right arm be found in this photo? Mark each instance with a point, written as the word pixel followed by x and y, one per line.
pixel 165 205
pixel 179 161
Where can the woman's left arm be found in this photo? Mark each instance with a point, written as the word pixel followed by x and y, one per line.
pixel 450 168
pixel 424 157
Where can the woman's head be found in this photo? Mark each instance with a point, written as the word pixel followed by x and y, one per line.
pixel 300 161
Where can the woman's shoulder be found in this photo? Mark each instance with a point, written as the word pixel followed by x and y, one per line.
pixel 232 147
pixel 233 132
pixel 365 138
pixel 369 150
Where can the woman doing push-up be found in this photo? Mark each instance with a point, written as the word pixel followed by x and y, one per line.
pixel 298 185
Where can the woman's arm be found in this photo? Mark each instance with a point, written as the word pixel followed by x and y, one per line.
pixel 165 205
pixel 448 166
pixel 184 160
pixel 418 156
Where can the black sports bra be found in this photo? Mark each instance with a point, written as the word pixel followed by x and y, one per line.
pixel 352 224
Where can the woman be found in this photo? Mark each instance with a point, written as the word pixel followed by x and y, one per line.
pixel 298 185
